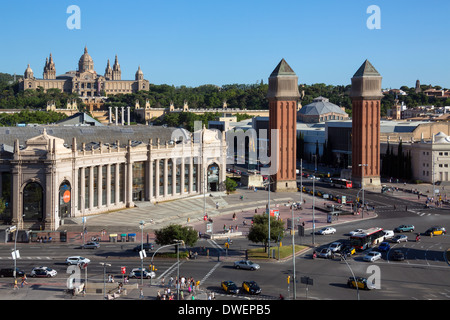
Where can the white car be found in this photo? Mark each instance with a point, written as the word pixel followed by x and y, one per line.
pixel 77 260
pixel 372 256
pixel 327 230
pixel 352 233
pixel 335 246
pixel 136 273
pixel 388 234
pixel 43 272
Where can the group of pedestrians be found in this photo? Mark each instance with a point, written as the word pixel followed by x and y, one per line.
pixel 174 284
pixel 22 283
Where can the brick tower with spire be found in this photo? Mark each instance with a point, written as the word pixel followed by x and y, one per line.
pixel 366 103
pixel 283 97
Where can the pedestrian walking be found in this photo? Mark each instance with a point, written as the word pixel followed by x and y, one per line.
pixel 24 281
pixel 15 284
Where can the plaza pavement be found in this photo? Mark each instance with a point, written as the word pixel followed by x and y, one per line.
pixel 190 212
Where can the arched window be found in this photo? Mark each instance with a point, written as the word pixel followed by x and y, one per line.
pixel 33 202
pixel 65 198
pixel 213 177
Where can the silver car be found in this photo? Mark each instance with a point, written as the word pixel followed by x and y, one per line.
pixel 91 245
pixel 246 264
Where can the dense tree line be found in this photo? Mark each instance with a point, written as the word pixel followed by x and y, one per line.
pixel 11 97
pixel 27 116
pixel 241 96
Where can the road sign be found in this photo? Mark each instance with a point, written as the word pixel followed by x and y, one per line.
pixel 123 270
pixel 142 254
pixel 15 254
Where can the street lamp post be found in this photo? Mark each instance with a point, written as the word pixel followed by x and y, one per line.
pixel 104 277
pixel 293 252
pixel 362 165
pixel 177 243
pixel 354 278
pixel 268 213
pixel 15 255
pixel 141 226
pixel 314 201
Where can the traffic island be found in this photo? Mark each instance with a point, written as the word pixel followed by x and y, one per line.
pixel 280 253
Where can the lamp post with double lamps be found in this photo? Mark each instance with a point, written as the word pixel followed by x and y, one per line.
pixel 142 253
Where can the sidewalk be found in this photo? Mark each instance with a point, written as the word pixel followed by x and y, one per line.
pixel 219 207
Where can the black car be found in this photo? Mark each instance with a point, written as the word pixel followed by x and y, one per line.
pixel 397 255
pixel 147 247
pixel 9 272
pixel 251 287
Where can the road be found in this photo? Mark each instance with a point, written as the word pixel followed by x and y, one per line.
pixel 425 273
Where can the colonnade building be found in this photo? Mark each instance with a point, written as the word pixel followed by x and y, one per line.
pixel 48 174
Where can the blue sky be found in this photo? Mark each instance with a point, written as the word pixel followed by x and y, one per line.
pixel 200 42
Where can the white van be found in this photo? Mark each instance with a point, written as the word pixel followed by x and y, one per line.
pixel 388 234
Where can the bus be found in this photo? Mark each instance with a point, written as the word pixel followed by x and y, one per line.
pixel 367 238
pixel 341 183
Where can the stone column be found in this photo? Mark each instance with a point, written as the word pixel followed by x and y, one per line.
pixel 117 184
pixel 100 186
pixel 174 176
pixel 82 190
pixel 191 174
pixel 148 178
pixel 157 173
pixel 108 185
pixel 165 177
pixel 91 188
pixel 182 172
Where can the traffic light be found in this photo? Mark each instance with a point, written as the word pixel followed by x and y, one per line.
pixel 288 279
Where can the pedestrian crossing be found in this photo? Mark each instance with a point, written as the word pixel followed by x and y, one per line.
pixel 415 209
pixel 27 258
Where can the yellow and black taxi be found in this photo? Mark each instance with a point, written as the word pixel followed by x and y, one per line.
pixel 435 231
pixel 347 250
pixel 251 287
pixel 230 287
pixel 359 282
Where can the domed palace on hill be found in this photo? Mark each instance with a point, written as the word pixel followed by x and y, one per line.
pixel 85 81
pixel 321 110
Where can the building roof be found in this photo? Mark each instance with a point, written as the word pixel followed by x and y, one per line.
pixel 283 69
pixel 367 70
pixel 319 106
pixel 441 138
pixel 79 118
pixel 89 134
